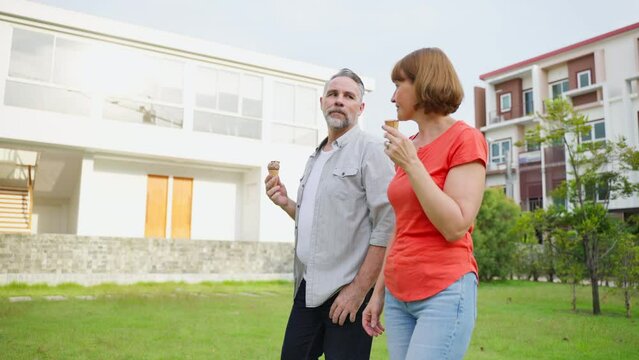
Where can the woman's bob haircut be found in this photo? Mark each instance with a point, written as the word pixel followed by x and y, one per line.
pixel 437 86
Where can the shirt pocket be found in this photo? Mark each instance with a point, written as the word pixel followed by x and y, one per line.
pixel 345 172
pixel 347 182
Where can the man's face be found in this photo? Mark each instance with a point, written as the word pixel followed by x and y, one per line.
pixel 341 103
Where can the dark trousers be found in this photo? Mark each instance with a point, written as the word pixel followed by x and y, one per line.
pixel 310 332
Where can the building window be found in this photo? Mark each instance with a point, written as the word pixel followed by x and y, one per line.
pixel 140 86
pixel 228 103
pixel 505 102
pixel 597 192
pixel 60 73
pixel 499 150
pixel 295 114
pixel 558 88
pixel 532 146
pixel 39 76
pixel 597 132
pixel 583 78
pixel 535 203
pixel 528 102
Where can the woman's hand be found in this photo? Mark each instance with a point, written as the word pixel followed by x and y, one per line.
pixel 399 148
pixel 371 315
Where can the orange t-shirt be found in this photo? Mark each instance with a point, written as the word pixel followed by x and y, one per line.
pixel 421 261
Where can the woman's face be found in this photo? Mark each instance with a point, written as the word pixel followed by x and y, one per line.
pixel 404 99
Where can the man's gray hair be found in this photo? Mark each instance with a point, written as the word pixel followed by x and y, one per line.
pixel 345 72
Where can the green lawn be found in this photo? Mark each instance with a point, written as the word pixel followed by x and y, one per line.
pixel 517 320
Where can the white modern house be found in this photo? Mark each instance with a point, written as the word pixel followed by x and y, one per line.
pixel 110 129
pixel 599 76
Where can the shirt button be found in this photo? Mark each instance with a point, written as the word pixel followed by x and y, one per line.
pixel 343 173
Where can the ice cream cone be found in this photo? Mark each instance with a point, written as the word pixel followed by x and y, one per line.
pixel 392 123
pixel 273 168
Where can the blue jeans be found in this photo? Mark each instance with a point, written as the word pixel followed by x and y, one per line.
pixel 438 327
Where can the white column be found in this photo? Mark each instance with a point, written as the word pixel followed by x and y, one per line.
pixel 633 137
pixel 85 198
pixel 538 85
pixel 490 102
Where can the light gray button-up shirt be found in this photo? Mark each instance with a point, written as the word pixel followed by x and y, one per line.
pixel 352 212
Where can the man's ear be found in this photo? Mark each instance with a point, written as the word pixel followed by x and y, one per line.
pixel 361 108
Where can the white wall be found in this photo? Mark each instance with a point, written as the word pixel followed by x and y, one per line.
pixel 116 205
pixel 215 206
pixel 50 216
pixel 557 73
pixel 620 62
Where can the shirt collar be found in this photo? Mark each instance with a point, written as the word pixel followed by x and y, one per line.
pixel 343 140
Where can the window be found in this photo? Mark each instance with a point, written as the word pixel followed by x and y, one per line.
pixel 583 78
pixel 60 73
pixel 35 80
pixel 505 102
pixel 532 146
pixel 597 192
pixel 528 102
pixel 229 91
pixel 141 87
pixel 535 203
pixel 251 96
pixel 31 55
pixel 295 114
pixel 499 150
pixel 558 88
pixel 597 132
pixel 228 103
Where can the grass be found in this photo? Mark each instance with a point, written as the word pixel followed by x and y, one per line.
pixel 517 320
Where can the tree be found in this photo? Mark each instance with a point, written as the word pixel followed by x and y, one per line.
pixel 570 266
pixel 493 237
pixel 625 263
pixel 597 173
pixel 535 228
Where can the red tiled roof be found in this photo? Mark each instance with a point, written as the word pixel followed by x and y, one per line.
pixel 559 51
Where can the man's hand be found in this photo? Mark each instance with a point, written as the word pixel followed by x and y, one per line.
pixel 276 191
pixel 371 315
pixel 348 301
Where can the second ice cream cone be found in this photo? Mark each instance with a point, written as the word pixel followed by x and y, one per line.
pixel 392 123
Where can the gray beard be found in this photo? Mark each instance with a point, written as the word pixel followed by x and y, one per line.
pixel 337 124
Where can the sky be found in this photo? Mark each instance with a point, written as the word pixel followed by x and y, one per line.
pixel 371 36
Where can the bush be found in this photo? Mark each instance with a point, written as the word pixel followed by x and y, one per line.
pixel 494 238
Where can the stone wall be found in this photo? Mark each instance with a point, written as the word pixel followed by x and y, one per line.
pixel 54 259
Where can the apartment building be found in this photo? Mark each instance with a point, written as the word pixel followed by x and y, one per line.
pixel 110 129
pixel 599 76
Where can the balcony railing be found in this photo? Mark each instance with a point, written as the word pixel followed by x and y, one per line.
pixel 529 157
pixel 515 112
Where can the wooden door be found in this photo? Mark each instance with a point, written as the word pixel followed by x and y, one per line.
pixel 156 205
pixel 181 208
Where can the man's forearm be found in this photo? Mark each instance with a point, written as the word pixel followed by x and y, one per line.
pixel 290 208
pixel 369 271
